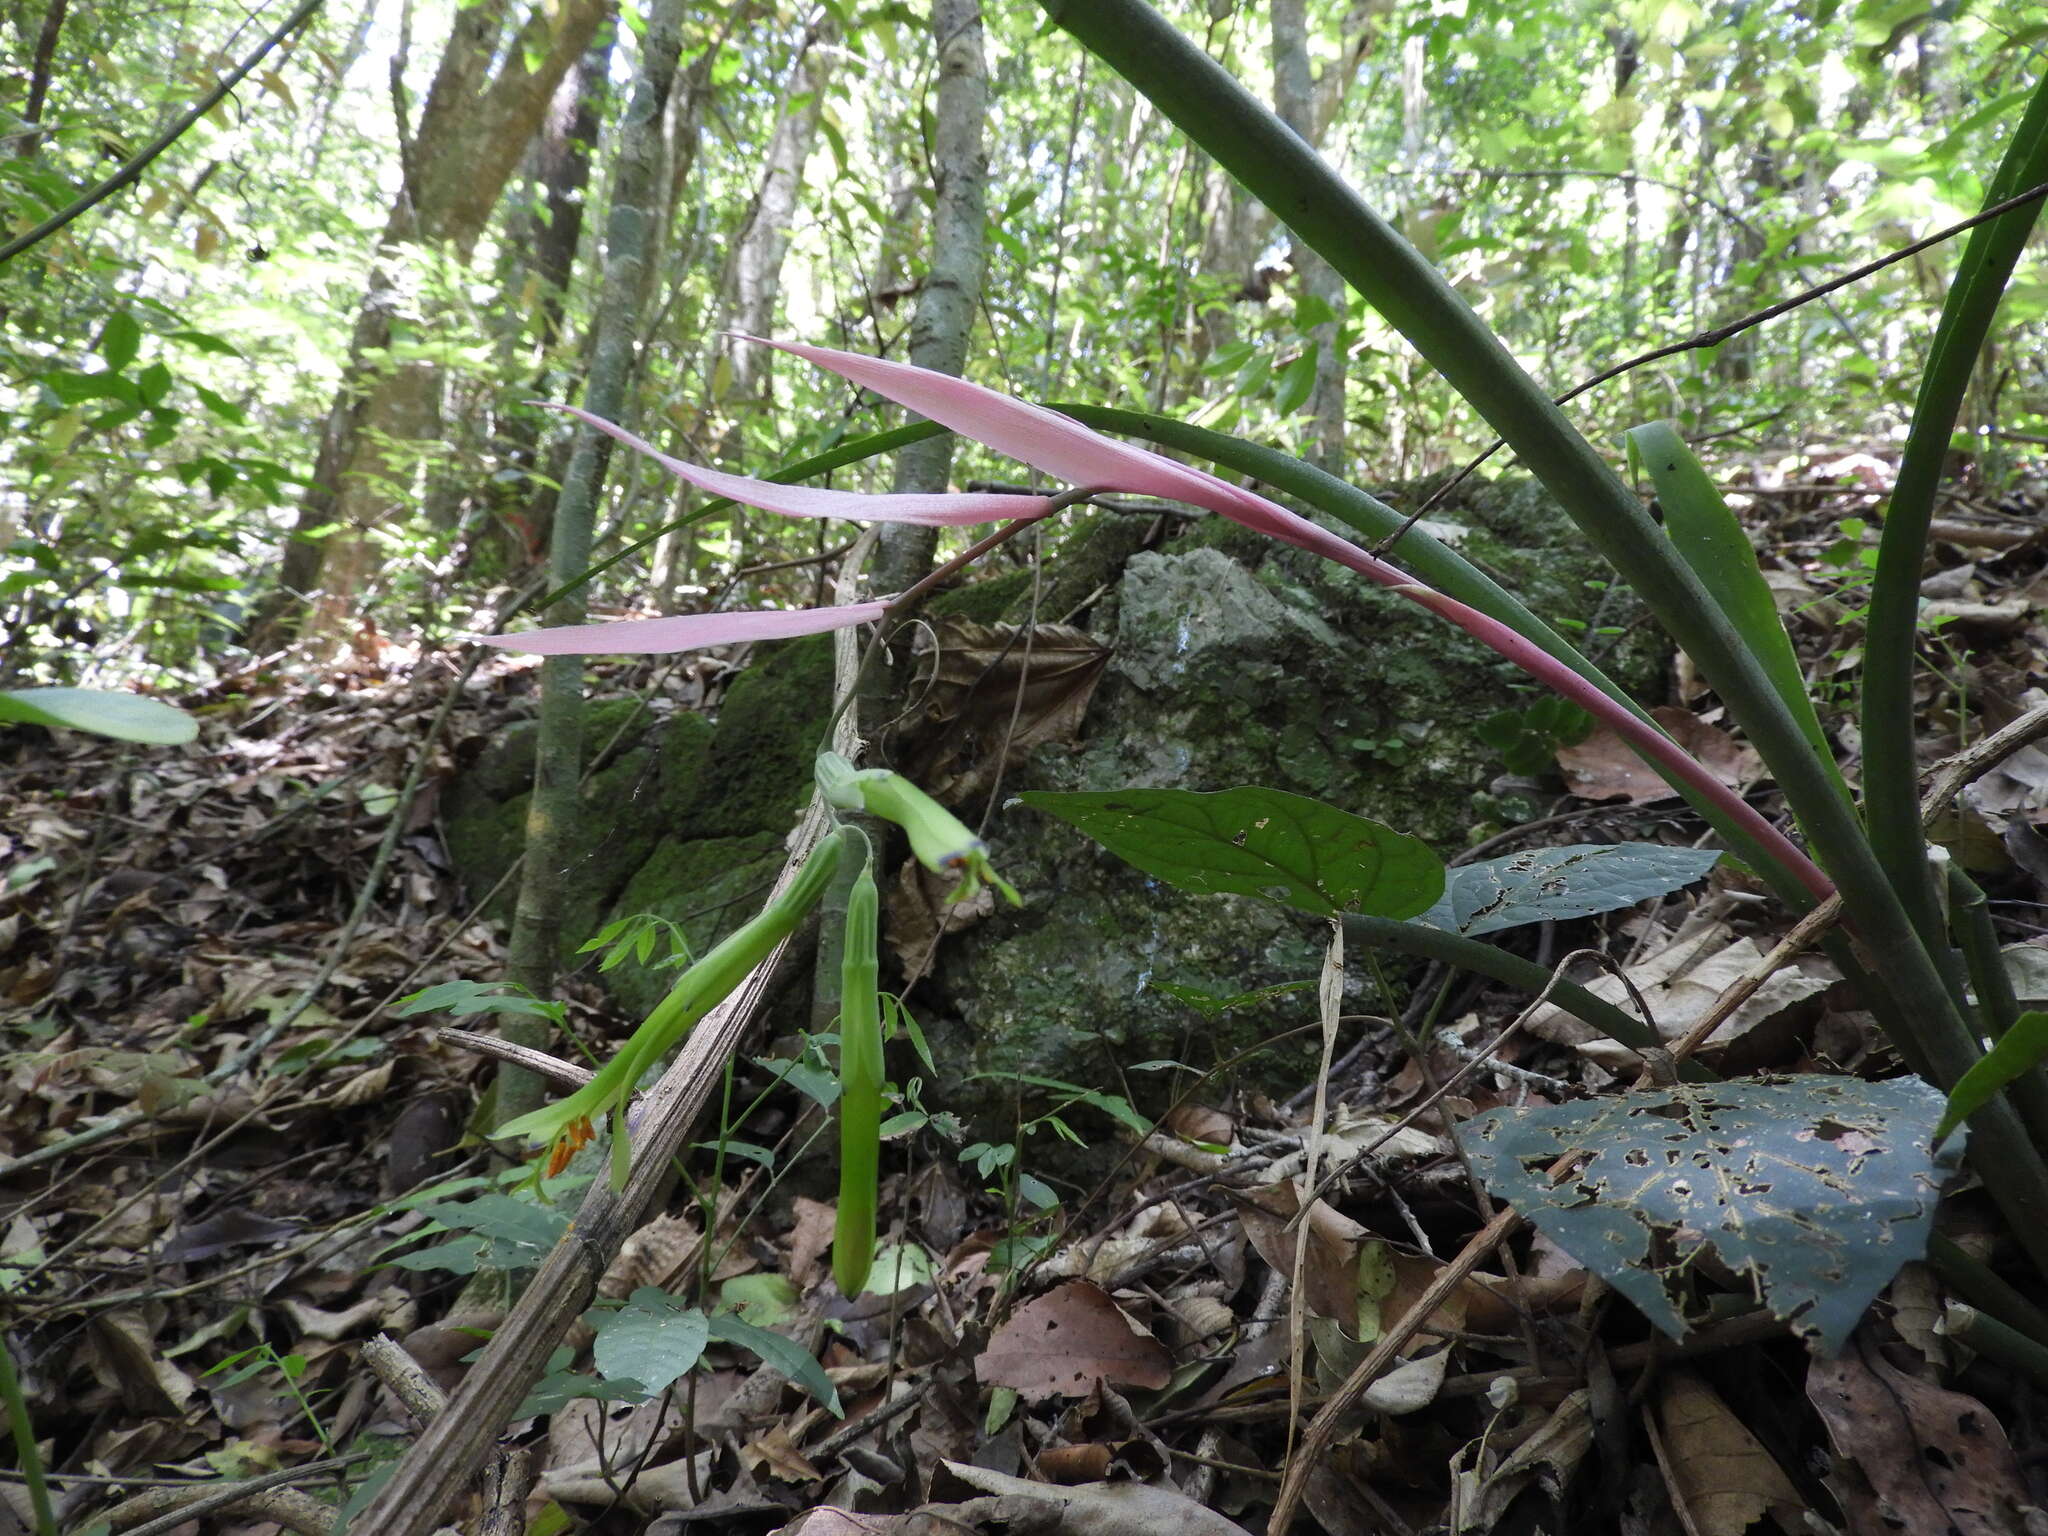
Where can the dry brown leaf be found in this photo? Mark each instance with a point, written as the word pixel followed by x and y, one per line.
pixel 654 1255
pixel 125 1356
pixel 1603 767
pixel 1680 982
pixel 915 909
pixel 965 726
pixel 775 1453
pixel 1717 1471
pixel 1918 1457
pixel 809 1237
pixel 1329 1279
pixel 1066 1341
pixel 1107 1509
pixel 1551 1456
pixel 831 1520
pixel 1074 1463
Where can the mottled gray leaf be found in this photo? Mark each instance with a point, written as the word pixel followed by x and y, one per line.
pixel 1818 1188
pixel 1552 884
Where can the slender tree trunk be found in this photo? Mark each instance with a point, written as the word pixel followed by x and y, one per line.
pixel 1294 98
pixel 488 96
pixel 946 303
pixel 552 818
pixel 552 235
pixel 756 276
pixel 39 75
pixel 951 291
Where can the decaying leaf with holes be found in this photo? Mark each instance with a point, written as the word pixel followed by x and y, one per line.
pixel 1815 1188
pixel 1912 1456
pixel 1069 1339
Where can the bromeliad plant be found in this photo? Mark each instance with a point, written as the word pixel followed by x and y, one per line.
pixel 1698 576
pixel 940 842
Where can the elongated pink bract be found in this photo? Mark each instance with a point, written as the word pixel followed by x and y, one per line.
pixel 685 632
pixel 941 510
pixel 1063 447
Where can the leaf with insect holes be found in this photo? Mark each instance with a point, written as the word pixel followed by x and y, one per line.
pixel 1816 1188
pixel 1258 842
pixel 1552 884
pixel 1069 1339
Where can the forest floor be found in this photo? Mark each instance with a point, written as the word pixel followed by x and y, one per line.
pixel 226 1142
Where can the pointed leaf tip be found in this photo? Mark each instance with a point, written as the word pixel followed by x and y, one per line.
pixel 933 510
pixel 682 632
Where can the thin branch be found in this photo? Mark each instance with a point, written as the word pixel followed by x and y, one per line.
pixel 538 1062
pixel 131 171
pixel 1721 333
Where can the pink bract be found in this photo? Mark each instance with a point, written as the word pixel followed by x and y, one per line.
pixel 1062 447
pixel 685 632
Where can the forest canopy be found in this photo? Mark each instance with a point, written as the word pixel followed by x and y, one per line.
pixel 292 361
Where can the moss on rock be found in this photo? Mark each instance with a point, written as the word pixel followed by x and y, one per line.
pixel 756 774
pixel 706 887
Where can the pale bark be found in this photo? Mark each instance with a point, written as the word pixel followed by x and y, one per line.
pixel 553 819
pixel 755 279
pixel 1239 229
pixel 1294 98
pixel 947 299
pixel 543 257
pixel 951 291
pixel 482 109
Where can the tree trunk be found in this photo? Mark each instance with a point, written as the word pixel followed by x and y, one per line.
pixel 951 291
pixel 551 238
pixel 756 276
pixel 552 818
pixel 946 302
pixel 39 76
pixel 472 132
pixel 1239 228
pixel 1294 98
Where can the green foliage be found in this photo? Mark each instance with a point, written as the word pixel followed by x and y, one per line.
pixel 1257 842
pixel 123 716
pixel 1712 542
pixel 2013 1054
pixel 501 1232
pixel 656 1337
pixel 464 998
pixel 1528 739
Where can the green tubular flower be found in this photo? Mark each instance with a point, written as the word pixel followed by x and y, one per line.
pixel 860 1087
pixel 565 1125
pixel 939 840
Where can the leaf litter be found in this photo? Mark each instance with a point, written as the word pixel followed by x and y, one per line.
pixel 163 911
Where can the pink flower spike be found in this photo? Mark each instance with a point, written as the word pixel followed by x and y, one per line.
pixel 1064 448
pixel 685 632
pixel 1043 439
pixel 941 510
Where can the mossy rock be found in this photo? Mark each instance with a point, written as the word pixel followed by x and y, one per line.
pixel 707 887
pixel 755 775
pixel 988 601
pixel 1238 661
pixel 623 809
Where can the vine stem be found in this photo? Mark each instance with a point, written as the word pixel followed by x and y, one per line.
pixel 901 606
